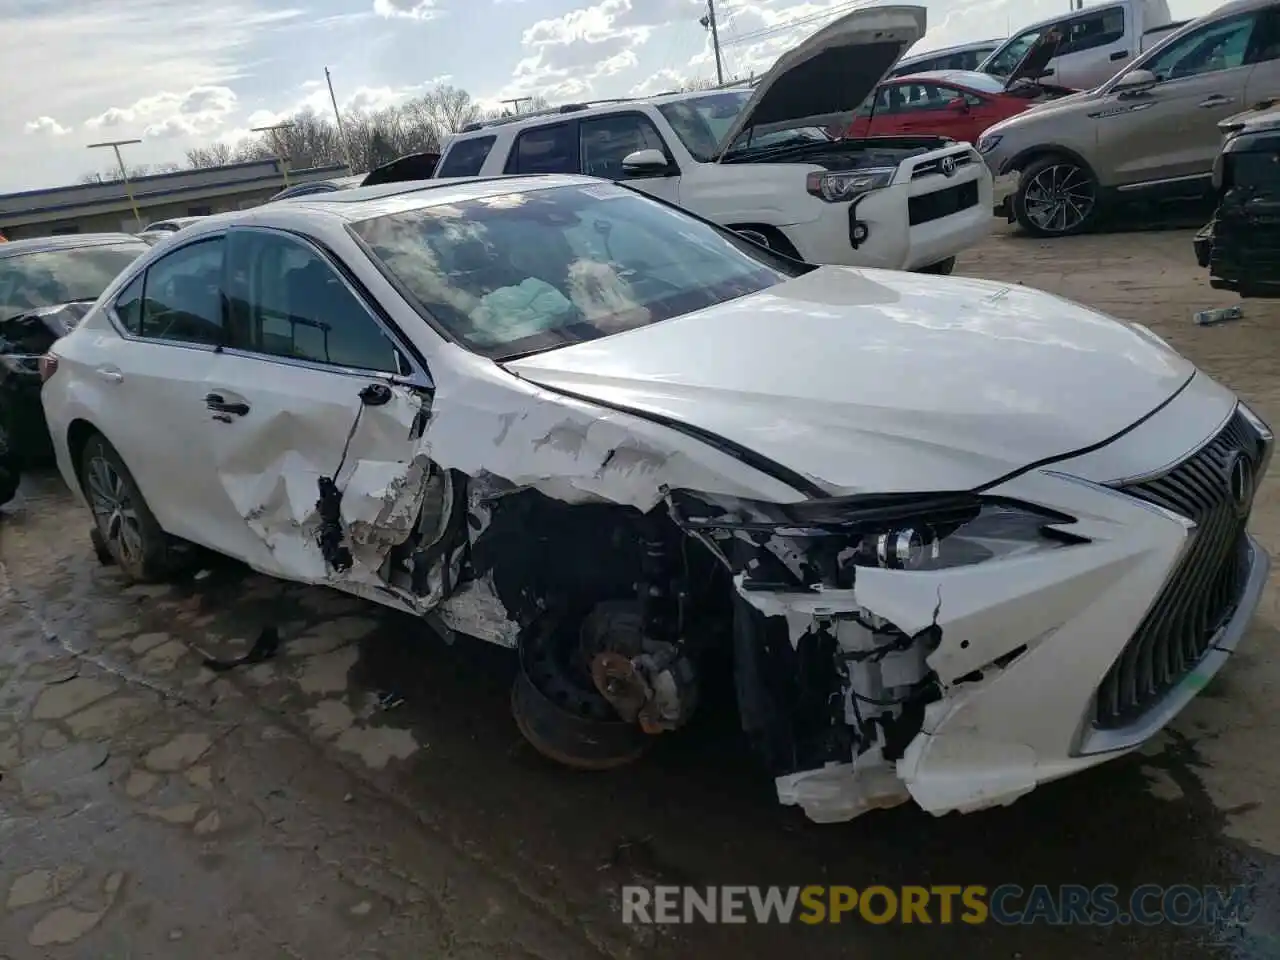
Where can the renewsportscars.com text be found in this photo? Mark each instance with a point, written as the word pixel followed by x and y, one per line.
pixel 1008 904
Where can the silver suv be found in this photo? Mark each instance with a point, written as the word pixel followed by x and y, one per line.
pixel 1151 131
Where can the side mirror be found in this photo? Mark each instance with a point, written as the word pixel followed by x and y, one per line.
pixel 645 163
pixel 958 105
pixel 1135 82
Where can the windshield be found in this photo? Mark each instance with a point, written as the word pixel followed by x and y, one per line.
pixel 519 273
pixel 702 122
pixel 49 277
pixel 1002 62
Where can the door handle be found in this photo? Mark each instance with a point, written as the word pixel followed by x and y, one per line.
pixel 218 404
pixel 110 374
pixel 1119 54
pixel 1217 100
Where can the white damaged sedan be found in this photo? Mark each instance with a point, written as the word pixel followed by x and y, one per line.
pixel 958 538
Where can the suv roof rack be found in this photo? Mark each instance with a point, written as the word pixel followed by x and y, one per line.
pixel 548 112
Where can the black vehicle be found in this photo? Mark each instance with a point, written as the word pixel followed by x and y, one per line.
pixel 413 166
pixel 47 285
pixel 1241 245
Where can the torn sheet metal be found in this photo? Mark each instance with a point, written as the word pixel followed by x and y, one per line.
pixel 476 611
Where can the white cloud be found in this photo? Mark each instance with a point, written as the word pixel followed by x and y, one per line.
pixel 412 9
pixel 569 53
pixel 198 112
pixel 46 126
pixel 224 66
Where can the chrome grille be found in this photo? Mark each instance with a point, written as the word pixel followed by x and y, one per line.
pixel 1203 590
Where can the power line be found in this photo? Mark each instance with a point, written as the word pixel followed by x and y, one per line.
pixel 766 32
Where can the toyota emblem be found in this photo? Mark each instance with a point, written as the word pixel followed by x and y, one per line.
pixel 1240 480
pixel 948 166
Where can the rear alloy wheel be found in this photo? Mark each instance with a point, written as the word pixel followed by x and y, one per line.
pixel 1056 197
pixel 125 525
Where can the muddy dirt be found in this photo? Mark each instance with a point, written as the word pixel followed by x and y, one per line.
pixel 365 792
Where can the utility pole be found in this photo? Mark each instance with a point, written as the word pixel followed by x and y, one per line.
pixel 708 22
pixel 515 102
pixel 337 115
pixel 115 145
pixel 273 129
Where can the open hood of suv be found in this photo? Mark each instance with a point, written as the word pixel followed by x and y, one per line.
pixel 834 70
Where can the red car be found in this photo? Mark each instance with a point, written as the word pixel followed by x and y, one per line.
pixel 960 104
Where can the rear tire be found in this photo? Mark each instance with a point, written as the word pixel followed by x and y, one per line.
pixel 768 237
pixel 943 268
pixel 9 469
pixel 1056 197
pixel 125 523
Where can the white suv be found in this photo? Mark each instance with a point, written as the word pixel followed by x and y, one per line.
pixel 760 160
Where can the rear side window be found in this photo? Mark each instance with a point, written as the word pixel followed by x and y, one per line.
pixel 129 305
pixel 1096 30
pixel 465 157
pixel 546 150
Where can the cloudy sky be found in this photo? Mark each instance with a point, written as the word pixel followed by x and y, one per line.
pixel 181 75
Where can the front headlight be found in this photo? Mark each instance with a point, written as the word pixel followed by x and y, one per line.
pixel 825 541
pixel 843 187
pixel 988 142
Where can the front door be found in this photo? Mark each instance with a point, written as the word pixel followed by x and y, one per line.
pixel 1170 132
pixel 606 141
pixel 308 401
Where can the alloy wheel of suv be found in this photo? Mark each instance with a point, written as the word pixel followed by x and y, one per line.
pixel 1056 197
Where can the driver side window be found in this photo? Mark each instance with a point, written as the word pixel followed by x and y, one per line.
pixel 1219 46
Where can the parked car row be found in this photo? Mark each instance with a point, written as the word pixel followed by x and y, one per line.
pixel 760 160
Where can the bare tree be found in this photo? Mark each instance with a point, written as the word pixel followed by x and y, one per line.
pixel 450 108
pixel 112 175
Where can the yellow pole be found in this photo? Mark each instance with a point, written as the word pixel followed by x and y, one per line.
pixel 128 187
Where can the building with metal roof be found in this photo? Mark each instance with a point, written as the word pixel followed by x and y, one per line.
pixel 106 207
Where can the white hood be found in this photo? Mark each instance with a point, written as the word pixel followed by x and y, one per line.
pixel 870 380
pixel 834 70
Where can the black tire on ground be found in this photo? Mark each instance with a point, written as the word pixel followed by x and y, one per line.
pixel 9 470
pixel 770 237
pixel 943 268
pixel 1062 194
pixel 129 530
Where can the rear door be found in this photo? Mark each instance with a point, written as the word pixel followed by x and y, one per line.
pixel 147 381
pixel 1264 80
pixel 303 395
pixel 915 107
pixel 1168 135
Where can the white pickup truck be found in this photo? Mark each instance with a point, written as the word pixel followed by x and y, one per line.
pixel 758 159
pixel 1094 42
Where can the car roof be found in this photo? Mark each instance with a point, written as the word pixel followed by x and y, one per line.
pixel 365 203
pixel 16 248
pixel 590 109
pixel 976 80
pixel 954 48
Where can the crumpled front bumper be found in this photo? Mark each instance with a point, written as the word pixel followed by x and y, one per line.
pixel 965 759
pixel 1023 647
